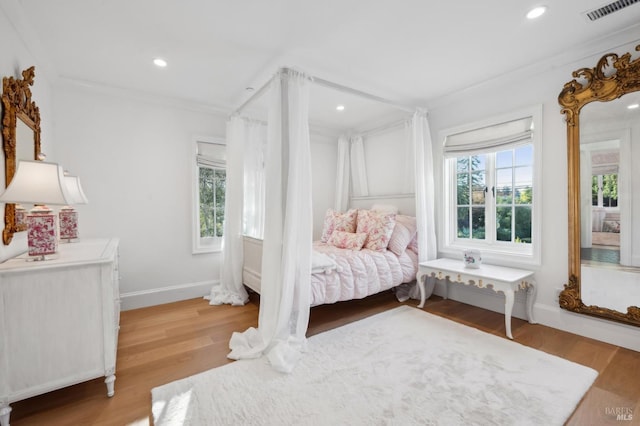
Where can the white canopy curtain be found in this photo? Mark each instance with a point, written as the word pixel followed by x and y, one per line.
pixel 244 205
pixel 286 259
pixel 351 176
pixel 425 187
pixel 422 154
pixel 343 175
pixel 230 289
pixel 254 179
pixel 359 184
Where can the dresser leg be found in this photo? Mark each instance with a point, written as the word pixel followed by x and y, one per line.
pixel 5 412
pixel 508 308
pixel 110 385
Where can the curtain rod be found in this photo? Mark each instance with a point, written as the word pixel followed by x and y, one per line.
pixel 255 95
pixel 329 84
pixel 383 128
pixel 340 87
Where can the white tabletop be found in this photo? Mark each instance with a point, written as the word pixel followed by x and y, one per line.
pixel 485 271
pixel 74 253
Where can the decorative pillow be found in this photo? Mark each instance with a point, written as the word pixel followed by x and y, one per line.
pixel 403 233
pixel 385 208
pixel 336 221
pixel 378 226
pixel 611 226
pixel 347 240
pixel 413 245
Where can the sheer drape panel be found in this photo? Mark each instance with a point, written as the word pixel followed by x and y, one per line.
pixel 342 175
pixel 359 185
pixel 286 259
pixel 254 180
pixel 230 289
pixel 425 188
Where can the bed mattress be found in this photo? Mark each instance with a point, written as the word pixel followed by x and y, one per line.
pixel 360 273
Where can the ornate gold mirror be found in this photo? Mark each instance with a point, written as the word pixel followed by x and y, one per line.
pixel 20 135
pixel 603 145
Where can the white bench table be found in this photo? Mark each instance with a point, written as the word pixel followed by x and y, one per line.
pixel 498 278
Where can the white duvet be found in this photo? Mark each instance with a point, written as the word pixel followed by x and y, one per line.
pixel 359 274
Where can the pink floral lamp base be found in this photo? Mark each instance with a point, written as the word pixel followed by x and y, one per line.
pixel 41 234
pixel 68 224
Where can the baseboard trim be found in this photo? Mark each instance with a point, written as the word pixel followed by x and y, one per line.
pixel 623 335
pixel 162 295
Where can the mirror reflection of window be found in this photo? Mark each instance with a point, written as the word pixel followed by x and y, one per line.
pixel 604 190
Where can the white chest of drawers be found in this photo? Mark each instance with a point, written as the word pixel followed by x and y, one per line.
pixel 59 320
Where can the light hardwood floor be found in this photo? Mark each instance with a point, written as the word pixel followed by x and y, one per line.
pixel 168 342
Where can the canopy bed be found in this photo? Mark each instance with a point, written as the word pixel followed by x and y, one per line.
pixel 289 282
pixel 348 265
pixel 593 100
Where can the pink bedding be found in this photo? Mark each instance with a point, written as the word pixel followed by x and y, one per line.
pixel 360 273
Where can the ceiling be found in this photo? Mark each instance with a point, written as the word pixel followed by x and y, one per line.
pixel 410 52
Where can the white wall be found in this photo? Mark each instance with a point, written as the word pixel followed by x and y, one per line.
pixel 135 157
pixel 389 169
pixel 539 84
pixel 15 58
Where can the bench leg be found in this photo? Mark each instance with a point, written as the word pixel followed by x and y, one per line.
pixel 531 297
pixel 421 278
pixel 508 308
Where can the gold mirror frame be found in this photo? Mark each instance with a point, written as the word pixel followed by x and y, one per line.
pixel 613 77
pixel 17 105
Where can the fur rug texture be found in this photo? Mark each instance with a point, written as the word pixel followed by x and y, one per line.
pixel 400 367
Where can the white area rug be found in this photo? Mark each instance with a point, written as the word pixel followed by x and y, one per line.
pixel 400 367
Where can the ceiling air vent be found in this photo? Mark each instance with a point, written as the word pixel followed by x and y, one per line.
pixel 608 9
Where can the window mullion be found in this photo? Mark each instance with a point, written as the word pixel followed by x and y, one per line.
pixel 490 200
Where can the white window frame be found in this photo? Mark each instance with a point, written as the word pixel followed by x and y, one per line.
pixel 495 252
pixel 201 244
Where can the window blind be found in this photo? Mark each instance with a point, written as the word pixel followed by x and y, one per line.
pixel 211 154
pixel 490 138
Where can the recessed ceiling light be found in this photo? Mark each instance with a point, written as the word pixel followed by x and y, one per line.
pixel 340 108
pixel 633 106
pixel 536 12
pixel 159 62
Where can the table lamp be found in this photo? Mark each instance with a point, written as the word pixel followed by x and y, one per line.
pixel 68 216
pixel 39 183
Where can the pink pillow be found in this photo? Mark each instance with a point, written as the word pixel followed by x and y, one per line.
pixel 347 240
pixel 413 245
pixel 403 233
pixel 378 227
pixel 336 221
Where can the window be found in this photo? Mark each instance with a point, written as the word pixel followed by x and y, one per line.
pixel 604 190
pixel 491 180
pixel 209 194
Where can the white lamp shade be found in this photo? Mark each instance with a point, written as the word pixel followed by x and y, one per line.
pixel 74 189
pixel 37 182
